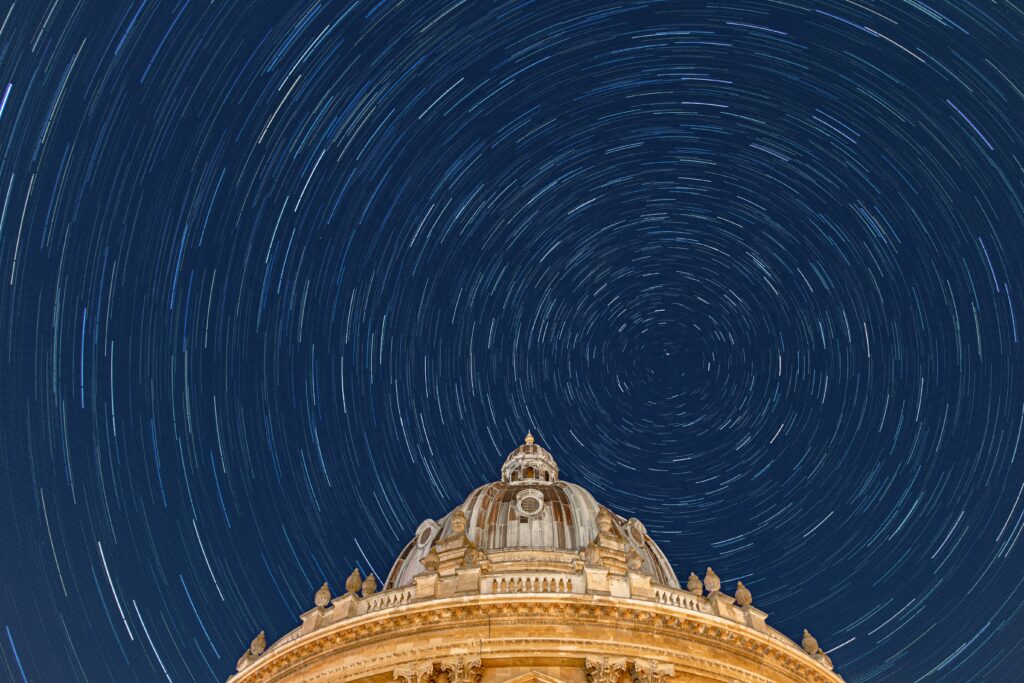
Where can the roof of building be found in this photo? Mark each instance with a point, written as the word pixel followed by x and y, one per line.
pixel 532 509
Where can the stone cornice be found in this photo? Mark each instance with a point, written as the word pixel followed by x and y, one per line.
pixel 444 614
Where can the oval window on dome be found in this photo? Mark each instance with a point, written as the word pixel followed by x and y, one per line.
pixel 637 531
pixel 529 502
pixel 425 534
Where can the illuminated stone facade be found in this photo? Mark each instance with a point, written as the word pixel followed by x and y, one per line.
pixel 530 580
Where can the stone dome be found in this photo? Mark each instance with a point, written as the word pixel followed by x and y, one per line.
pixel 531 510
pixel 548 586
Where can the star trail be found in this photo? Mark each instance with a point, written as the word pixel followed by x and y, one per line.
pixel 279 280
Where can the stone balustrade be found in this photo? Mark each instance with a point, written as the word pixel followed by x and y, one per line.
pixel 470 581
pixel 532 583
pixel 680 598
pixel 391 598
pixel 474 582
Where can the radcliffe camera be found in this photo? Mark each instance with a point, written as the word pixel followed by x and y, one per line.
pixel 535 578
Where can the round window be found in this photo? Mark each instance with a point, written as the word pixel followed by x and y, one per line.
pixel 529 502
pixel 425 534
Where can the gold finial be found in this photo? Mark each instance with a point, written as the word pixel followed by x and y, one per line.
pixel 258 645
pixel 529 438
pixel 743 596
pixel 322 598
pixel 354 581
pixel 711 581
pixel 810 644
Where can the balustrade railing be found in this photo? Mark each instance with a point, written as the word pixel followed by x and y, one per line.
pixel 679 598
pixel 391 598
pixel 532 583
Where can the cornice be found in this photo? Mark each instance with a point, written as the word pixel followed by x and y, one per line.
pixel 543 609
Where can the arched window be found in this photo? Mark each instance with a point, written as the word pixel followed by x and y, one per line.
pixel 529 473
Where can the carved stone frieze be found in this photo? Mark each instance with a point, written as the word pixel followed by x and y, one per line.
pixel 383 662
pixel 657 620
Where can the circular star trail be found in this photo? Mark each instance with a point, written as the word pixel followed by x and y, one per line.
pixel 280 280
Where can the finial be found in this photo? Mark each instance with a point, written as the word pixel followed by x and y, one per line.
pixel 529 438
pixel 258 644
pixel 369 586
pixel 354 581
pixel 323 596
pixel 711 581
pixel 811 647
pixel 743 596
pixel 694 585
pixel 809 643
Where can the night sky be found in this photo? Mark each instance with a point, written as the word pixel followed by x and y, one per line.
pixel 280 280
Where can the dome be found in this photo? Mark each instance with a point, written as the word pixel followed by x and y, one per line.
pixel 530 509
pixel 548 586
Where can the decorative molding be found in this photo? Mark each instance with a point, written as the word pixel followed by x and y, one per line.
pixel 377 665
pixel 767 650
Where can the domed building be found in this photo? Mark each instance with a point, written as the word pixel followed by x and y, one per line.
pixel 531 580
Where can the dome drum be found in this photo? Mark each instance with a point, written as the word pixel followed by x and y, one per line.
pixel 565 637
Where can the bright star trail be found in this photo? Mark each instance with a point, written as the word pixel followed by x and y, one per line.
pixel 279 280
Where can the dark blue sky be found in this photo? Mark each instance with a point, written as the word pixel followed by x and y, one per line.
pixel 278 282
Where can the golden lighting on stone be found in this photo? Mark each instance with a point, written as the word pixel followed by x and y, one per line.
pixel 531 580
